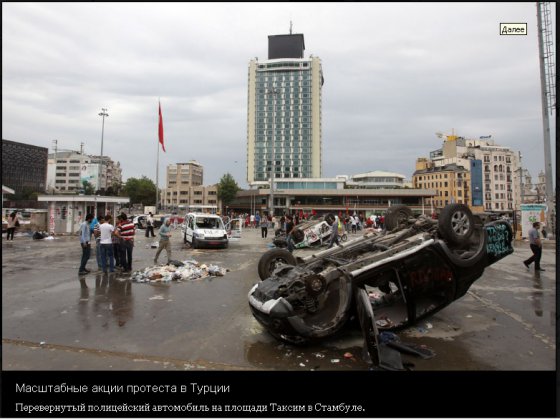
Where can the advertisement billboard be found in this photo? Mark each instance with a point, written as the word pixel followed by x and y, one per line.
pixel 531 213
pixel 89 172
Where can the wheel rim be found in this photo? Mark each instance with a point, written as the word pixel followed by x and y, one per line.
pixel 277 262
pixel 460 223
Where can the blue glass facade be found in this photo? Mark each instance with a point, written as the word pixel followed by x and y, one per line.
pixel 283 124
pixel 476 182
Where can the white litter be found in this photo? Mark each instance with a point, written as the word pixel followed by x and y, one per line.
pixel 190 270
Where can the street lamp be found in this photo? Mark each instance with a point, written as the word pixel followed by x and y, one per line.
pixel 102 114
pixel 272 92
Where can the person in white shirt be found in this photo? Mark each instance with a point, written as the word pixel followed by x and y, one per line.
pixel 106 231
pixel 150 225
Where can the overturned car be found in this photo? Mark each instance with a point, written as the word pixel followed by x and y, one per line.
pixel 389 280
pixel 308 234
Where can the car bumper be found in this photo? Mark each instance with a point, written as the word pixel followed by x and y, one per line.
pixel 211 241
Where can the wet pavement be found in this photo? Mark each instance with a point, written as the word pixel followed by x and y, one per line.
pixel 53 319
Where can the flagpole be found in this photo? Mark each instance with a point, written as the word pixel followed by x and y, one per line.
pixel 157 162
pixel 157 177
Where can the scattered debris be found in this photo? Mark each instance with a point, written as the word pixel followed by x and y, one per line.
pixel 335 360
pixel 469 316
pixel 177 271
pixel 348 355
pixel 429 326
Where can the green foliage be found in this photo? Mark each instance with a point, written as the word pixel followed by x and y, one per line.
pixel 141 190
pixel 227 189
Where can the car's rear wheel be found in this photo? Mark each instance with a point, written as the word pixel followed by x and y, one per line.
pixel 396 216
pixel 273 259
pixel 456 224
pixel 194 243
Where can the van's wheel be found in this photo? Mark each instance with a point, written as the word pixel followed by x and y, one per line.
pixel 273 259
pixel 194 243
pixel 456 223
pixel 397 215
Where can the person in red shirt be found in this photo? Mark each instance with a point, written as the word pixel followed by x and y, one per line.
pixel 126 231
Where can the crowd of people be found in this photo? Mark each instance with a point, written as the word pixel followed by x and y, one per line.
pixel 114 243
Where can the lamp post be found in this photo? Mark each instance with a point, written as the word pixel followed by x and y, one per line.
pixel 102 114
pixel 272 92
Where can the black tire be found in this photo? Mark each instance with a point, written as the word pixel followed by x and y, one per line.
pixel 456 224
pixel 194 243
pixel 271 259
pixel 397 215
pixel 185 238
pixel 344 237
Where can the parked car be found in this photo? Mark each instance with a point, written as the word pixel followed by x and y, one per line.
pixel 389 280
pixel 140 221
pixel 202 229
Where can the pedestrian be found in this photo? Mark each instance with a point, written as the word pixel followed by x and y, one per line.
pixel 333 222
pixel 264 227
pixel 126 232
pixel 94 225
pixel 106 231
pixel 85 236
pixel 353 223
pixel 150 225
pixel 273 222
pixel 164 242
pixel 117 244
pixel 536 247
pixel 13 223
pixel 252 219
pixel 257 220
pixel 290 228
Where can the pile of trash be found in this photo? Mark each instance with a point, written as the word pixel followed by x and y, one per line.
pixel 177 271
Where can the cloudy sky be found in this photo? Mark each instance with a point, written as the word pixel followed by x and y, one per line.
pixel 395 74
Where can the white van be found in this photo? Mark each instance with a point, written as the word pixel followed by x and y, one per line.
pixel 202 229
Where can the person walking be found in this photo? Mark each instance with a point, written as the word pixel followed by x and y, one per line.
pixel 290 228
pixel 85 236
pixel 264 227
pixel 150 225
pixel 13 222
pixel 536 247
pixel 126 232
pixel 164 242
pixel 333 221
pixel 106 230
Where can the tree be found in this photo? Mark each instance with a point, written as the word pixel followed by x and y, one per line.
pixel 227 189
pixel 141 190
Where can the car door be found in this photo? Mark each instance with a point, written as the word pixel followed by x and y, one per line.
pixel 190 228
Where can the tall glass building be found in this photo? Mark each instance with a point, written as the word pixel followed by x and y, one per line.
pixel 284 113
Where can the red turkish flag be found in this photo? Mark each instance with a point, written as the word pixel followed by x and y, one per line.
pixel 161 129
